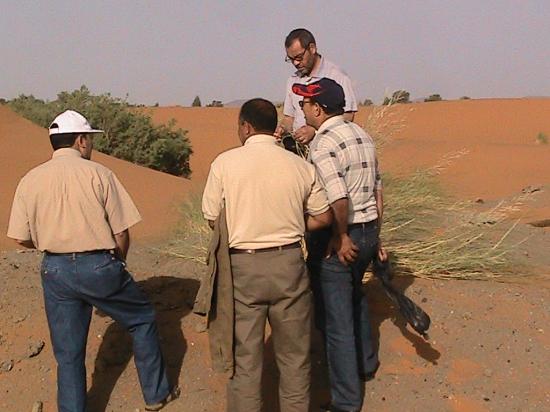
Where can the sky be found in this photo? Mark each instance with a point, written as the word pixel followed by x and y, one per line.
pixel 168 52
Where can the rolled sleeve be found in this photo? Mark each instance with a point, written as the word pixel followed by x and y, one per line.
pixel 18 226
pixel 288 107
pixel 212 197
pixel 349 93
pixel 121 211
pixel 317 201
pixel 330 173
pixel 378 178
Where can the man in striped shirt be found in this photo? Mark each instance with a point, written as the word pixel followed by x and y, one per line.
pixel 345 158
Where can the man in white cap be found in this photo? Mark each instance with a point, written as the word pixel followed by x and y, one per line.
pixel 78 213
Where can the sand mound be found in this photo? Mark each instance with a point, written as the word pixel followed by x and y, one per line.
pixel 24 145
pixel 211 131
pixel 500 156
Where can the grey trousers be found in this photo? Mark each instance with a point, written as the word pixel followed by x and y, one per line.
pixel 271 286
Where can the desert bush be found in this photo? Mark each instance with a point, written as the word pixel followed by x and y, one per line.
pixel 431 236
pixel 427 234
pixel 399 96
pixel 542 138
pixel 196 102
pixel 215 103
pixel 192 235
pixel 129 134
pixel 367 102
pixel 433 98
pixel 3 101
pixel 464 98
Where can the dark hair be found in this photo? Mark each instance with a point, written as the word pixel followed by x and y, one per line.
pixel 261 114
pixel 61 140
pixel 330 111
pixel 305 37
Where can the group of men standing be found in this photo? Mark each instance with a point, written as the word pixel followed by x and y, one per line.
pixel 79 214
pixel 270 198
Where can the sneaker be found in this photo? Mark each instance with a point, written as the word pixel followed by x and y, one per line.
pixel 173 395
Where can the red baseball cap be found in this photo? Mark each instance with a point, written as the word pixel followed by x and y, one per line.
pixel 325 91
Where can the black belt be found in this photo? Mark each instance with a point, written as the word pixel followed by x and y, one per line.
pixel 364 225
pixel 90 252
pixel 294 245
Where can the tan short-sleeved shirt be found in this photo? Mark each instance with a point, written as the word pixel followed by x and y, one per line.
pixel 70 204
pixel 266 191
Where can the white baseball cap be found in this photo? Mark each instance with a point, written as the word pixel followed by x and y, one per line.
pixel 71 122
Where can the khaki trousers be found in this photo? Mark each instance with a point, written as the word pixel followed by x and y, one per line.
pixel 271 286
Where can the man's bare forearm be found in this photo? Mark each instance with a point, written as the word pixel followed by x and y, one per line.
pixel 378 194
pixel 349 116
pixel 122 241
pixel 26 243
pixel 340 210
pixel 287 123
pixel 319 221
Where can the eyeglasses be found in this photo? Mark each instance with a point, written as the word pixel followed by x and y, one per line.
pixel 299 57
pixel 302 102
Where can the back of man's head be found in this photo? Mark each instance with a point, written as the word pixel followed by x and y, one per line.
pixel 63 140
pixel 261 114
pixel 304 36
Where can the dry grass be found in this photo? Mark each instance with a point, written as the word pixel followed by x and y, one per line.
pixel 192 234
pixel 430 236
pixel 427 234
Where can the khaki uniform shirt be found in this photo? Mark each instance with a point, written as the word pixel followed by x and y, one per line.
pixel 266 191
pixel 70 204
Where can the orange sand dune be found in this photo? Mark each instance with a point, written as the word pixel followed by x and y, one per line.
pixel 501 155
pixel 24 145
pixel 496 138
pixel 211 131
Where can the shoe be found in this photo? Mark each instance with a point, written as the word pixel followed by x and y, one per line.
pixel 369 376
pixel 173 395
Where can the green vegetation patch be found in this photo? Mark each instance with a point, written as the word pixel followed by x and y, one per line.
pixel 129 133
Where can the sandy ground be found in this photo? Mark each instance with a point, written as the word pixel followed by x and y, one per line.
pixel 488 349
pixel 489 341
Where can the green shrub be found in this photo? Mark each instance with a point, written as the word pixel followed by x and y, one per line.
pixel 129 134
pixel 196 102
pixel 542 138
pixel 399 96
pixel 433 98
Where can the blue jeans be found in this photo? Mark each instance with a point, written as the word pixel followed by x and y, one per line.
pixel 73 284
pixel 342 314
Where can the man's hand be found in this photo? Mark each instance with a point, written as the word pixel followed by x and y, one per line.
pixel 344 248
pixel 382 254
pixel 304 134
pixel 279 132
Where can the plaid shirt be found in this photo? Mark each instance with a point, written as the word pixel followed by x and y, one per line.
pixel 345 158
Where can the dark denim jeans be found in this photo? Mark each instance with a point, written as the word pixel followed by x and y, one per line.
pixel 342 313
pixel 73 284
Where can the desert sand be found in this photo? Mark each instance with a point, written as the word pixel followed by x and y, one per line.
pixel 489 341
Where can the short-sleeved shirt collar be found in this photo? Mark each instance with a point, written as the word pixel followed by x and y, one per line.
pixel 66 151
pixel 260 138
pixel 331 121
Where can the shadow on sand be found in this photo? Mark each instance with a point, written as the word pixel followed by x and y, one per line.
pixel 381 308
pixel 173 299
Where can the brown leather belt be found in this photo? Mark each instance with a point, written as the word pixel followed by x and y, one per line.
pixel 266 249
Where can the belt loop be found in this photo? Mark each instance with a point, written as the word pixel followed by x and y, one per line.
pixel 74 256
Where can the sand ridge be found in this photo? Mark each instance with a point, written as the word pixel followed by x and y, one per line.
pixel 23 145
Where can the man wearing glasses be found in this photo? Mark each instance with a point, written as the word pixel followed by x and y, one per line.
pixel 301 51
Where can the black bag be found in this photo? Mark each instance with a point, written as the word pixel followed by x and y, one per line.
pixel 415 316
